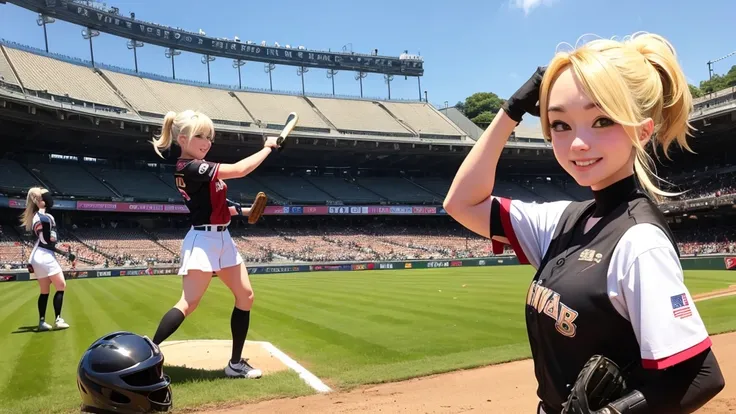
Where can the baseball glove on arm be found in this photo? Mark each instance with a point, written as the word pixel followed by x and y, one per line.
pixel 598 384
pixel 256 210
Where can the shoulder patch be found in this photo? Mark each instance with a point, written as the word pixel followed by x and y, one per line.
pixel 203 168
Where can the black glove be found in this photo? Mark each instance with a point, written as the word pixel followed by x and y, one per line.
pixel 598 384
pixel 237 206
pixel 525 99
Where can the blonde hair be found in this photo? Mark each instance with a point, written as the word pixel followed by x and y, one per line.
pixel 630 80
pixel 33 197
pixel 188 123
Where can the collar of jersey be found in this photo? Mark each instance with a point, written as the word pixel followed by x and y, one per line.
pixel 609 198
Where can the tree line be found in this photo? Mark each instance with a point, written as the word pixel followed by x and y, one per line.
pixel 482 107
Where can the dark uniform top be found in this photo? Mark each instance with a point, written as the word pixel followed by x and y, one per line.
pixel 204 194
pixel 44 226
pixel 615 290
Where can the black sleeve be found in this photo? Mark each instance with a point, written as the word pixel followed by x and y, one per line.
pixel 200 170
pixel 496 226
pixel 46 231
pixel 683 388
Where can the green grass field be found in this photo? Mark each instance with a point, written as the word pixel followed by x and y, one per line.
pixel 348 328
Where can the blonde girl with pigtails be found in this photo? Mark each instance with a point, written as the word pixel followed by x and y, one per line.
pixel 608 280
pixel 208 247
pixel 42 263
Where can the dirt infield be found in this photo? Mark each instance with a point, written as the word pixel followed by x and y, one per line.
pixel 731 290
pixel 506 388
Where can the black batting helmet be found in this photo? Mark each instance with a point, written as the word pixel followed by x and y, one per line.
pixel 123 373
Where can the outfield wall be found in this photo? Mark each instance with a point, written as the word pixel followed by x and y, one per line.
pixel 719 262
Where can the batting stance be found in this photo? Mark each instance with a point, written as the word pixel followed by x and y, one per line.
pixel 42 262
pixel 208 247
pixel 611 325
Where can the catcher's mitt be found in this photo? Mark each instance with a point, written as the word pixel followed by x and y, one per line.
pixel 256 210
pixel 599 383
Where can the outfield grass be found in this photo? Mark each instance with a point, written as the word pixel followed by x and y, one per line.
pixel 348 328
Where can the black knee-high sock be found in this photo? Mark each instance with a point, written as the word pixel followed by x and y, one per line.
pixel 239 322
pixel 43 300
pixel 168 325
pixel 58 301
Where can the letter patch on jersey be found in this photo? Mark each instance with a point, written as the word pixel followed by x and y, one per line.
pixel 589 255
pixel 681 306
pixel 547 301
pixel 203 168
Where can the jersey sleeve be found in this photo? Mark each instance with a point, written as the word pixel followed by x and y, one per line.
pixel 646 286
pixel 200 170
pixel 529 227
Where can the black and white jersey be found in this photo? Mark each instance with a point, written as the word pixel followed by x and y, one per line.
pixel 44 227
pixel 615 290
pixel 205 195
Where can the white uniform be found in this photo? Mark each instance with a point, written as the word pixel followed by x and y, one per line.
pixel 208 251
pixel 645 281
pixel 42 258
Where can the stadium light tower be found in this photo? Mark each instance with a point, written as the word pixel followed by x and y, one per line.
pixel 170 53
pixel 711 62
pixel 360 77
pixel 135 44
pixel 300 72
pixel 89 34
pixel 206 59
pixel 43 20
pixel 237 63
pixel 388 79
pixel 268 68
pixel 331 75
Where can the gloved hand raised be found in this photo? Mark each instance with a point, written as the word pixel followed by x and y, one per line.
pixel 525 99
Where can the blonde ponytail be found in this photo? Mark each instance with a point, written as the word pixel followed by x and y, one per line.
pixel 165 139
pixel 188 123
pixel 631 80
pixel 26 218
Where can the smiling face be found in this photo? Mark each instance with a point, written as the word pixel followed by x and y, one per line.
pixel 594 149
pixel 195 148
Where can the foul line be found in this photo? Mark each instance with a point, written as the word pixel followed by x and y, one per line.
pixel 305 375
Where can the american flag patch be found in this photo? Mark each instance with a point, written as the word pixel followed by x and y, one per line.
pixel 680 306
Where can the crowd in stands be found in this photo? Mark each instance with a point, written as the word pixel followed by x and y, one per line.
pixel 108 247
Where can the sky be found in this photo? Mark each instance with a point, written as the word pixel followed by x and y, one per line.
pixel 468 46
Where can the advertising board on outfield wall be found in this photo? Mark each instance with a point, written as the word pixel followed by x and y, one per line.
pixel 729 262
pixel 130 207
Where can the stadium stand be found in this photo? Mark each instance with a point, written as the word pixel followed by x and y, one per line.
pixel 269 109
pixel 6 72
pixel 293 188
pixel 62 79
pixel 344 190
pixel 14 179
pixel 142 185
pixel 362 117
pixel 424 119
pixel 399 190
pixel 70 179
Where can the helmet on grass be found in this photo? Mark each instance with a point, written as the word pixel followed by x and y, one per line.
pixel 122 372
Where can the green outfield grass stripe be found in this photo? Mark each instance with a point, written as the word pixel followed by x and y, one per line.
pixel 328 334
pixel 112 313
pixel 448 310
pixel 25 302
pixel 10 290
pixel 16 333
pixel 37 353
pixel 360 318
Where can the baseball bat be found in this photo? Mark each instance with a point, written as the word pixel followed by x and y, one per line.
pixel 291 121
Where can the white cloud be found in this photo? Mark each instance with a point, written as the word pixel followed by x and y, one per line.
pixel 529 5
